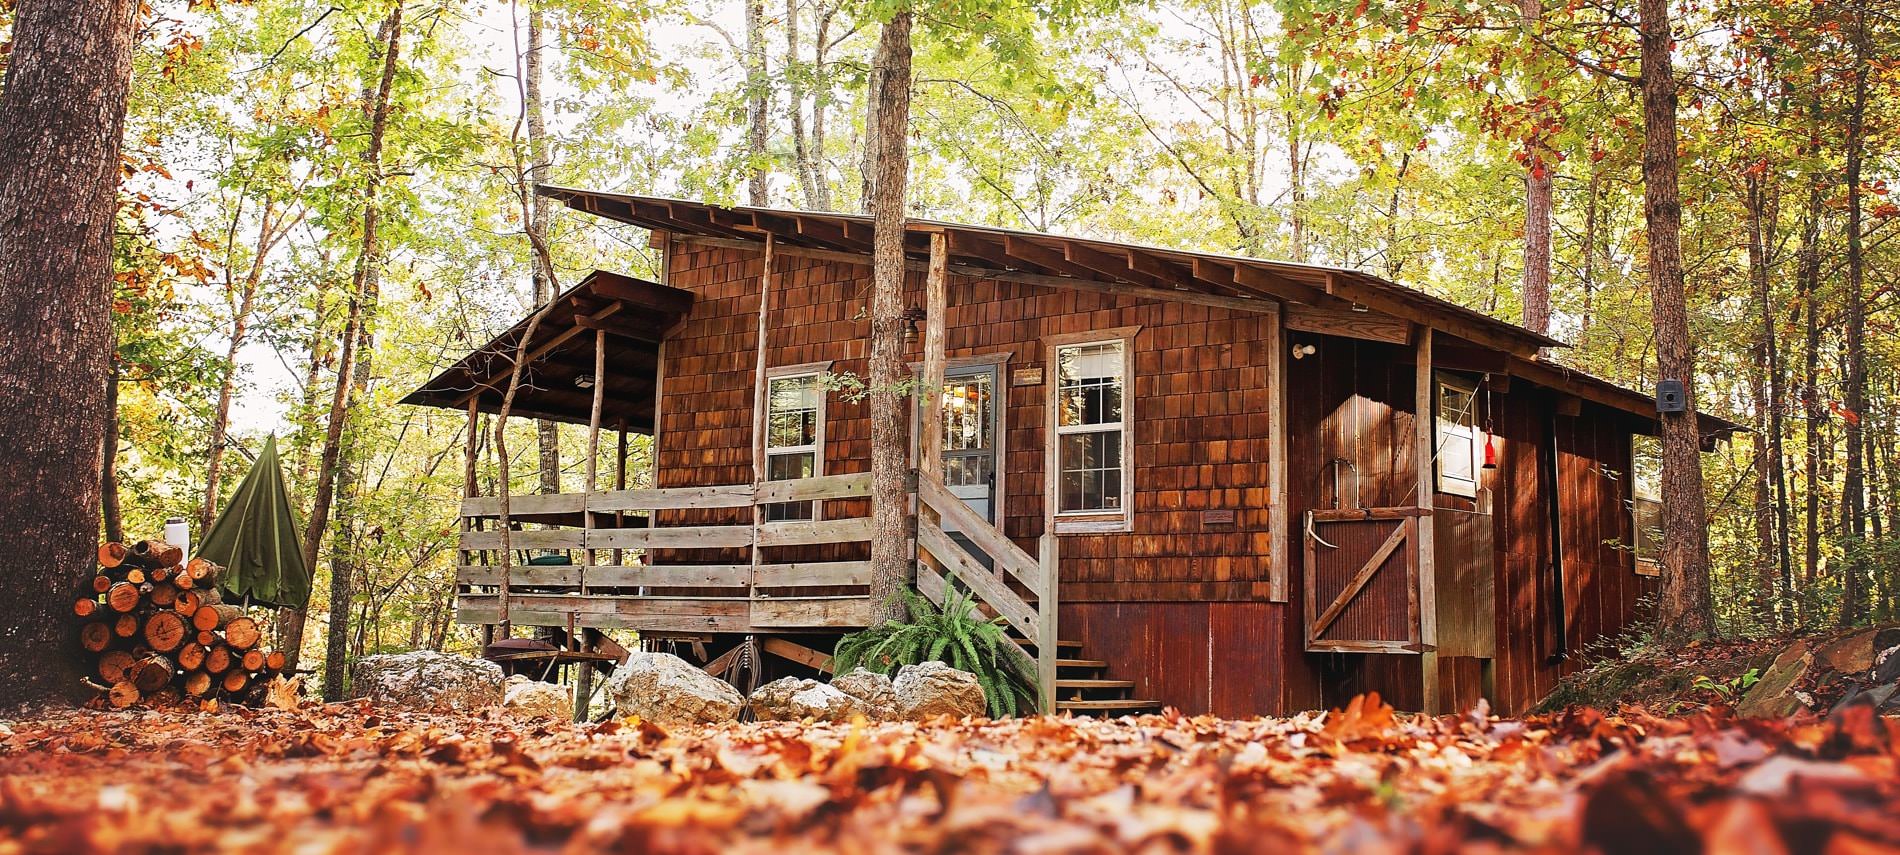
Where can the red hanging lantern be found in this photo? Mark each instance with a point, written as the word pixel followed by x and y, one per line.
pixel 1490 452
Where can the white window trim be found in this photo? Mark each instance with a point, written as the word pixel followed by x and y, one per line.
pixel 1094 521
pixel 1644 566
pixel 1445 483
pixel 816 371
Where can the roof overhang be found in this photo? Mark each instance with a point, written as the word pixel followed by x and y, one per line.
pixel 1235 282
pixel 626 317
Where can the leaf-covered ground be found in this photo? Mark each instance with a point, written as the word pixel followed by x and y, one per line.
pixel 345 778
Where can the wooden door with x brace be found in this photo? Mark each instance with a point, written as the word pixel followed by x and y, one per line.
pixel 1353 482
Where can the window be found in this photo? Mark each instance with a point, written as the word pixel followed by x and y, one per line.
pixel 794 433
pixel 1460 447
pixel 1646 503
pixel 1091 428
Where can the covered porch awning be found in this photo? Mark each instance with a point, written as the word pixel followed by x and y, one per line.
pixel 622 317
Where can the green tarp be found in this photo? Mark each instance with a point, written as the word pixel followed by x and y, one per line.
pixel 259 541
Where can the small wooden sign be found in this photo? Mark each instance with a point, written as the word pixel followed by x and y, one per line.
pixel 1026 377
pixel 1217 518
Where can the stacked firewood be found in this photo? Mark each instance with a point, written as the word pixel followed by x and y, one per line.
pixel 160 632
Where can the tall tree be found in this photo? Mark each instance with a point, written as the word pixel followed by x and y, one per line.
pixel 62 113
pixel 1538 195
pixel 1686 611
pixel 534 110
pixel 1854 395
pixel 758 104
pixel 887 149
pixel 362 286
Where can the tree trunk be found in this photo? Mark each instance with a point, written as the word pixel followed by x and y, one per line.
pixel 62 112
pixel 353 335
pixel 227 385
pixel 891 566
pixel 534 108
pixel 1685 611
pixel 757 102
pixel 1809 283
pixel 1854 396
pixel 806 159
pixel 1537 205
pixel 1761 390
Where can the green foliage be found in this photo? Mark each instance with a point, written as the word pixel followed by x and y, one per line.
pixel 955 635
pixel 1729 689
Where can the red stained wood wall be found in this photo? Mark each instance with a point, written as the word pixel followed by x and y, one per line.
pixel 1178 605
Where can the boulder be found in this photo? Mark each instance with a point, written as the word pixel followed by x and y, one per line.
pixel 665 689
pixel 872 689
pixel 795 699
pixel 1850 654
pixel 533 699
pixel 1776 696
pixel 427 680
pixel 930 689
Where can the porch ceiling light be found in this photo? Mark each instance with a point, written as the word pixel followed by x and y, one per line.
pixel 584 381
pixel 911 316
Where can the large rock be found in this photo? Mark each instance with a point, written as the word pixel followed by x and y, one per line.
pixel 795 699
pixel 427 680
pixel 533 699
pixel 1850 654
pixel 872 689
pixel 1775 695
pixel 663 688
pixel 930 689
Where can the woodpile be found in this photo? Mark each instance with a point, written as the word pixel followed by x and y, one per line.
pixel 159 632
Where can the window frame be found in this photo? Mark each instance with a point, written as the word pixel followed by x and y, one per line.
pixel 1090 521
pixel 1645 565
pixel 1443 481
pixel 816 371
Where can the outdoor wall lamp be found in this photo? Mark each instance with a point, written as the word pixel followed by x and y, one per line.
pixel 1302 351
pixel 911 316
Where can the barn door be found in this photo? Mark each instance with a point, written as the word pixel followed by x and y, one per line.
pixel 1361 580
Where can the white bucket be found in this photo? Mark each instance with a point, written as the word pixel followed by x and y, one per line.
pixel 178 533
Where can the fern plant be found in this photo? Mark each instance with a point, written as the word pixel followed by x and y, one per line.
pixel 956 635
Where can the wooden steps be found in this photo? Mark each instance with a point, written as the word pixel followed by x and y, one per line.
pixel 1083 686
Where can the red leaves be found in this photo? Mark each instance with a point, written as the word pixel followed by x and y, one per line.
pixel 347 778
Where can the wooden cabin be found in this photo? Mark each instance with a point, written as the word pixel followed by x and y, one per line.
pixel 1222 484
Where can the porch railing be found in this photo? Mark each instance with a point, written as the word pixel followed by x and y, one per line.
pixel 716 578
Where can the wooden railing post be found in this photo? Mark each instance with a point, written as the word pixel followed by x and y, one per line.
pixel 1048 646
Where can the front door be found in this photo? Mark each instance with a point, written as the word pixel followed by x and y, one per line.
pixel 971 425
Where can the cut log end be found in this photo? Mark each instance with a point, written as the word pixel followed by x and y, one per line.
pixel 95 637
pixel 123 597
pixel 112 554
pixel 85 606
pixel 241 632
pixel 165 631
pixel 122 694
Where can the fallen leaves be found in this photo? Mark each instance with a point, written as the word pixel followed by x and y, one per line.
pixel 346 778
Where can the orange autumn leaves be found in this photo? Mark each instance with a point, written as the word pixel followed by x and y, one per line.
pixel 345 778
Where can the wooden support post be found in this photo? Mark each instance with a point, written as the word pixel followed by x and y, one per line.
pixel 1427 597
pixel 930 391
pixel 620 478
pixel 1279 505
pixel 593 445
pixel 760 393
pixel 1048 642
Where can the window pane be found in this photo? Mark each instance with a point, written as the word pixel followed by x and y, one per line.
pixel 792 412
pixel 1455 405
pixel 1648 514
pixel 786 467
pixel 1646 463
pixel 1091 471
pixel 966 413
pixel 1089 384
pixel 1455 453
